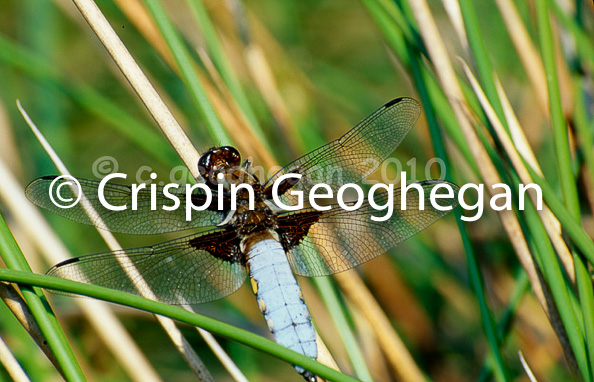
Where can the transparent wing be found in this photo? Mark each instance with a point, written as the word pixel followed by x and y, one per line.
pixel 325 242
pixel 359 152
pixel 142 221
pixel 189 270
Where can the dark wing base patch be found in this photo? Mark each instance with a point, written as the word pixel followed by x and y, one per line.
pixel 334 241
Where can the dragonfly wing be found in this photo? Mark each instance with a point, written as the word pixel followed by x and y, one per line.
pixel 359 152
pixel 189 270
pixel 321 243
pixel 142 221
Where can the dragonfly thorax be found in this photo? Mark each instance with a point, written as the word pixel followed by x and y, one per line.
pixel 248 221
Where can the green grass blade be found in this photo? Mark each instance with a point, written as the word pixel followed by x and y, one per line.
pixel 472 263
pixel 586 296
pixel 188 73
pixel 584 129
pixel 560 289
pixel 56 339
pixel 503 327
pixel 564 163
pixel 328 294
pixel 570 225
pixel 223 65
pixel 567 179
pixel 176 313
pixel 401 22
pixel 391 32
pixel 481 57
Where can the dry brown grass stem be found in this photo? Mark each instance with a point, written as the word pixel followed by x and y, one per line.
pixel 449 82
pixel 220 353
pixel 10 363
pixel 231 116
pixel 527 369
pixel 178 340
pixel 527 52
pixel 19 308
pixel 452 8
pixel 140 83
pixel 394 349
pixel 324 355
pixel 263 77
pixel 374 356
pixel 516 132
pixel 265 72
pixel 102 319
pixel 549 221
pixel 523 149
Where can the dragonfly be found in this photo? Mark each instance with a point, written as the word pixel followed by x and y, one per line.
pixel 268 243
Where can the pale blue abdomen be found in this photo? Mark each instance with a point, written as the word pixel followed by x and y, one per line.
pixel 280 299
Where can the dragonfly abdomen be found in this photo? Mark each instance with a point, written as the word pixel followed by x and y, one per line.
pixel 280 299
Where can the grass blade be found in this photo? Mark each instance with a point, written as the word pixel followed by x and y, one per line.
pixel 184 62
pixel 13 257
pixel 174 313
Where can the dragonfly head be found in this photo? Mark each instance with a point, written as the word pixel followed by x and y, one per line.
pixel 218 160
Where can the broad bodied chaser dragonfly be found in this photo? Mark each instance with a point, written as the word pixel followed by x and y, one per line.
pixel 266 242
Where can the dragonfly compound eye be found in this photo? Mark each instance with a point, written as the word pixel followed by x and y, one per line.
pixel 205 164
pixel 229 155
pixel 217 160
